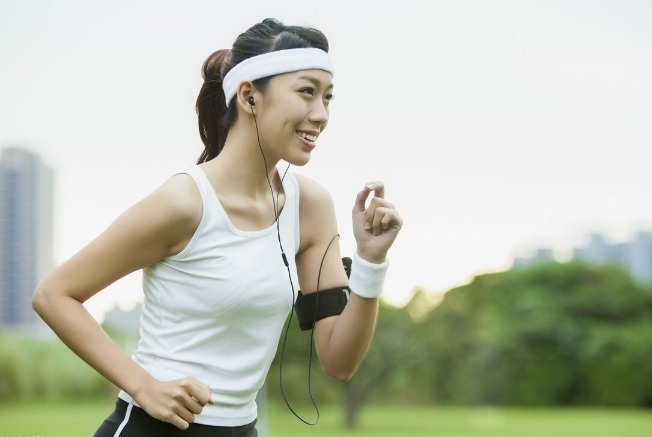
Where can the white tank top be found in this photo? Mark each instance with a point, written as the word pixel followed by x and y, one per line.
pixel 215 311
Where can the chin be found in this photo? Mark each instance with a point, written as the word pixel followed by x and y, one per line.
pixel 298 161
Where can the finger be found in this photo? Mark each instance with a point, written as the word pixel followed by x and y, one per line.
pixel 374 205
pixel 378 187
pixel 375 226
pixel 377 220
pixel 377 202
pixel 192 405
pixel 361 199
pixel 185 415
pixel 201 392
pixel 177 421
pixel 184 404
pixel 392 219
pixel 384 219
pixel 379 191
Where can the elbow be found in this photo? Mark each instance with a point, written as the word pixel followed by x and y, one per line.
pixel 339 374
pixel 343 377
pixel 41 300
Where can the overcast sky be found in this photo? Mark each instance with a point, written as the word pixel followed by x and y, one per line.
pixel 497 126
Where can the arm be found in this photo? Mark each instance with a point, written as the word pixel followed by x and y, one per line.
pixel 154 228
pixel 342 341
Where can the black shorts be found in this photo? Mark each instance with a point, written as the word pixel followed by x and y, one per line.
pixel 131 421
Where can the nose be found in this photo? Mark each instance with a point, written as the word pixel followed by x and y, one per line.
pixel 319 112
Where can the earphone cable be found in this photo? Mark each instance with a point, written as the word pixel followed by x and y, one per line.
pixel 275 203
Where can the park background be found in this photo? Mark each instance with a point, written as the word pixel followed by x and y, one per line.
pixel 499 127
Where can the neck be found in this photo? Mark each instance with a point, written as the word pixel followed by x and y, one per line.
pixel 242 167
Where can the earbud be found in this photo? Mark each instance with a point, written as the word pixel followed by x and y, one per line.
pixel 251 101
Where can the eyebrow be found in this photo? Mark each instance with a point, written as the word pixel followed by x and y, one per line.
pixel 316 82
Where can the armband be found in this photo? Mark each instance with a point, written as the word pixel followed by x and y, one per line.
pixel 313 307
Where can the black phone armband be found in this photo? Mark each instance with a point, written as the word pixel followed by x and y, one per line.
pixel 313 307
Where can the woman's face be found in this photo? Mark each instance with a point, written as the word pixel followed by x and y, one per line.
pixel 293 113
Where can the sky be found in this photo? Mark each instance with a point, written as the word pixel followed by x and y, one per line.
pixel 497 126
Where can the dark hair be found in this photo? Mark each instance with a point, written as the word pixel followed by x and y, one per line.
pixel 270 35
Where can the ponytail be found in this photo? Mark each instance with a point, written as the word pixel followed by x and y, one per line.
pixel 212 112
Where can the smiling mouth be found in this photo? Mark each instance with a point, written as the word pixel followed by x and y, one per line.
pixel 308 137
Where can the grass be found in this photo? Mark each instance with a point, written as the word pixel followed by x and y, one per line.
pixel 66 419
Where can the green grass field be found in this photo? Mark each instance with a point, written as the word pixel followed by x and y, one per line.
pixel 80 420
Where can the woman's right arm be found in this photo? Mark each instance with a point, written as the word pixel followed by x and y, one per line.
pixel 158 226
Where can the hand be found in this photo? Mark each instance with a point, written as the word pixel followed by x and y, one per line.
pixel 176 402
pixel 375 227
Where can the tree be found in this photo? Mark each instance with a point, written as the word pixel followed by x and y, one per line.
pixel 550 334
pixel 395 352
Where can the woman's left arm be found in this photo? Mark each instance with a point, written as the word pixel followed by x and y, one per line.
pixel 342 341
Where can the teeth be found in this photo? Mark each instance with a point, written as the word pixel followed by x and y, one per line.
pixel 307 136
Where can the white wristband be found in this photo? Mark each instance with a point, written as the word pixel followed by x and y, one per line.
pixel 367 278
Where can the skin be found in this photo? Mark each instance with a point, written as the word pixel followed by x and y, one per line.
pixel 163 223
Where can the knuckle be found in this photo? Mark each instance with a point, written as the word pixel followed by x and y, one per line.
pixel 168 416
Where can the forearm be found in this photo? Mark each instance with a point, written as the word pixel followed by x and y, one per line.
pixel 85 337
pixel 350 337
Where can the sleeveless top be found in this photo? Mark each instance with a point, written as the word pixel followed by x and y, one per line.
pixel 216 310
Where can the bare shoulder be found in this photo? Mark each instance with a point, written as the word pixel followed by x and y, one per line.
pixel 316 213
pixel 314 196
pixel 179 202
pixel 180 196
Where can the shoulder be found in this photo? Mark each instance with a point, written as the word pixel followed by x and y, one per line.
pixel 180 195
pixel 316 213
pixel 179 201
pixel 313 195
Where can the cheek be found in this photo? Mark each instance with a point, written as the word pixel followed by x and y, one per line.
pixel 285 115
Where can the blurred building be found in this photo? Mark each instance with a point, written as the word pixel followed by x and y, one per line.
pixel 635 255
pixel 541 255
pixel 25 233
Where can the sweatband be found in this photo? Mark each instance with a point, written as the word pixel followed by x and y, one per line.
pixel 272 63
pixel 313 307
pixel 367 279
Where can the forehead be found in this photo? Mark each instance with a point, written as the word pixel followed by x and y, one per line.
pixel 319 78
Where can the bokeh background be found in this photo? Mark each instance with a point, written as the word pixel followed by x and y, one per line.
pixel 514 138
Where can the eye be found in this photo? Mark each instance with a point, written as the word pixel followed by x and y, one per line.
pixel 308 90
pixel 329 97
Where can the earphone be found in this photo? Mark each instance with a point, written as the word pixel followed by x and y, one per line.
pixel 252 103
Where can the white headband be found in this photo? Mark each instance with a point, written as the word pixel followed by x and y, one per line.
pixel 272 63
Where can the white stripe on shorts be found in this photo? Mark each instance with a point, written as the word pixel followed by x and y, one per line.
pixel 124 422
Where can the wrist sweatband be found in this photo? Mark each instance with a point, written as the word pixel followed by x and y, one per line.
pixel 367 279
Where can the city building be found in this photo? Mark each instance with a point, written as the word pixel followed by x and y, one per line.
pixel 26 207
pixel 634 255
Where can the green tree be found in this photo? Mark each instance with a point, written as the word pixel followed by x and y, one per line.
pixel 389 367
pixel 551 334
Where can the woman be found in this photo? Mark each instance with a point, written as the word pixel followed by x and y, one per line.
pixel 213 243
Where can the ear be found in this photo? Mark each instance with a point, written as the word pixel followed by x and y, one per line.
pixel 244 92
